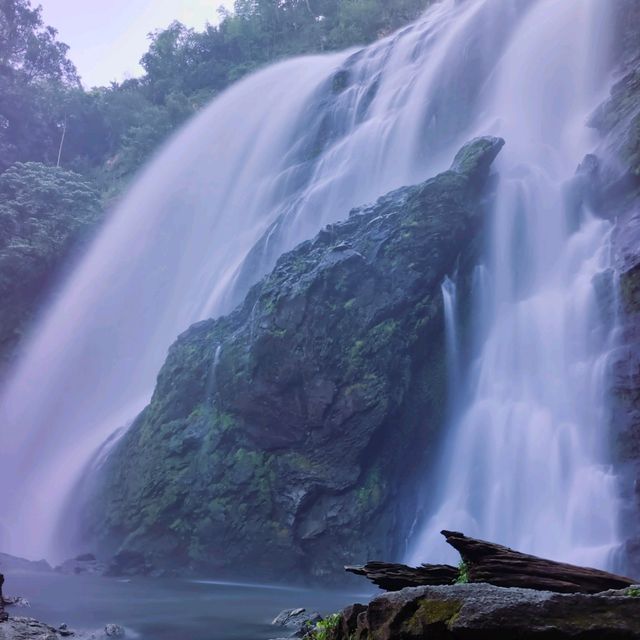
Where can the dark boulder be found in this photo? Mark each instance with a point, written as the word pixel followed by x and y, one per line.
pixel 282 438
pixel 84 564
pixel 487 612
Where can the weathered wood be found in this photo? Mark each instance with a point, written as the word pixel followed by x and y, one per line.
pixel 4 616
pixel 504 567
pixel 393 577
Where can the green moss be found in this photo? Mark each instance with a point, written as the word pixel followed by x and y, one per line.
pixel 226 421
pixel 349 304
pixel 434 612
pixel 370 495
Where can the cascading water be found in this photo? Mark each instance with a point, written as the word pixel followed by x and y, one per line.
pixel 526 462
pixel 450 302
pixel 294 147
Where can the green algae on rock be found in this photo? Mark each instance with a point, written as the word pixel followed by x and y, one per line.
pixel 484 611
pixel 279 437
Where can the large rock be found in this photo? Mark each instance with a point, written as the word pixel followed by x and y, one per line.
pixel 85 564
pixel 32 629
pixel 485 612
pixel 279 437
pixel 298 621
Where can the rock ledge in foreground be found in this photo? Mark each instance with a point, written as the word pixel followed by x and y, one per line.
pixel 483 611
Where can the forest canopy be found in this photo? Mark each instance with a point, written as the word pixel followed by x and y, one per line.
pixel 108 132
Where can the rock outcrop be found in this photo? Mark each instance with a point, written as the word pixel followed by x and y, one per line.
pixel 20 628
pixel 483 611
pixel 297 622
pixel 282 437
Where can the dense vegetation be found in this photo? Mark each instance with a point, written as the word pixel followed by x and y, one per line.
pixel 104 134
pixel 44 213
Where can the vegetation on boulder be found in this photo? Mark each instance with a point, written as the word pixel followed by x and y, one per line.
pixel 487 611
pixel 280 437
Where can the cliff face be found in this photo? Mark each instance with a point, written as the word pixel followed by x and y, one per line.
pixel 615 192
pixel 279 437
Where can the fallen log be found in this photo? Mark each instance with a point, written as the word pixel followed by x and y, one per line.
pixel 504 567
pixel 394 577
pixel 495 564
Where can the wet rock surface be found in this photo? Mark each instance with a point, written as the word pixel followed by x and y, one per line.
pixel 618 122
pixel 297 621
pixel 282 439
pixel 17 628
pixel 85 564
pixel 486 612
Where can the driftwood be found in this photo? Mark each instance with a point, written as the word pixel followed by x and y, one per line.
pixel 497 565
pixel 4 616
pixel 393 577
pixel 503 567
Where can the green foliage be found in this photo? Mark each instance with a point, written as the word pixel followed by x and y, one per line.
pixel 34 70
pixel 325 629
pixel 463 573
pixel 634 592
pixel 44 213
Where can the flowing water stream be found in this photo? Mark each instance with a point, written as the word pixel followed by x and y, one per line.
pixel 294 147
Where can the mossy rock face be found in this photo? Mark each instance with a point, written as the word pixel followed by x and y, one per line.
pixel 618 180
pixel 278 437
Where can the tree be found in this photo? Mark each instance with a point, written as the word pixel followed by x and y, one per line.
pixel 34 69
pixel 45 214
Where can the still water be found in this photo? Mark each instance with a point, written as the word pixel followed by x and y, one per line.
pixel 166 609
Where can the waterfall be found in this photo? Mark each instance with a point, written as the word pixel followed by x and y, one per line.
pixel 449 301
pixel 294 147
pixel 526 463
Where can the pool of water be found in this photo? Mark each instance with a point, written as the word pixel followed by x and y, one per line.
pixel 162 609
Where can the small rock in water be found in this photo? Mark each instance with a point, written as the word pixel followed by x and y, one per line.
pixel 16 601
pixel 129 563
pixel 114 631
pixel 64 630
pixel 86 563
pixel 299 620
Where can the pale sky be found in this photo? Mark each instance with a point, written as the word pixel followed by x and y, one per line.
pixel 108 37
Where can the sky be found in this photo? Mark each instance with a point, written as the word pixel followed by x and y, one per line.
pixel 107 38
